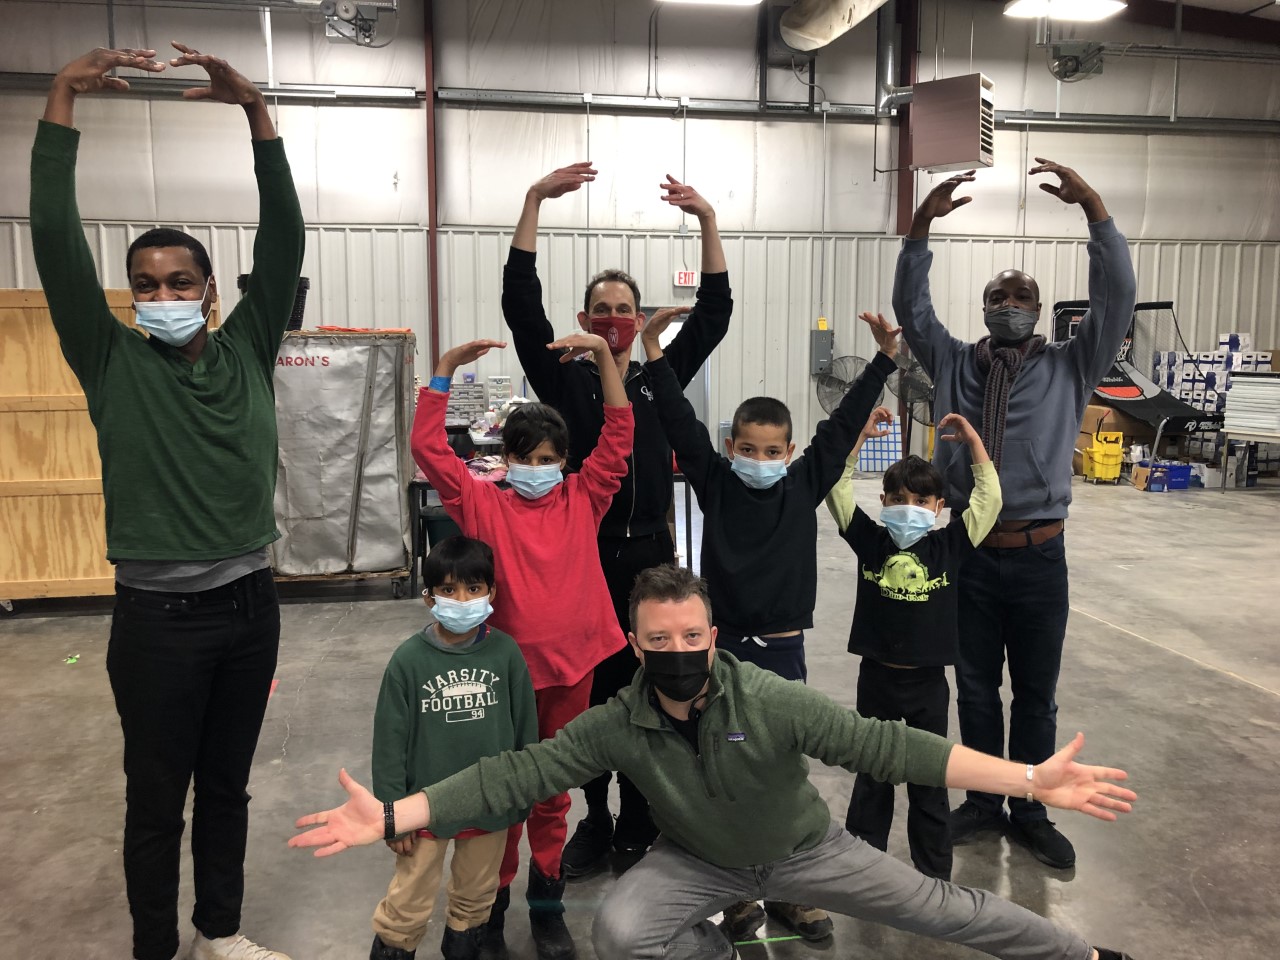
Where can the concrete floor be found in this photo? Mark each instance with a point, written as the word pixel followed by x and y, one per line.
pixel 1172 668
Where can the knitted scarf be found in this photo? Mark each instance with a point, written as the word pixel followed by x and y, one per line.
pixel 1000 365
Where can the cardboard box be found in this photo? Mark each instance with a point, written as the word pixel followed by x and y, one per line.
pixel 1134 430
pixel 1150 478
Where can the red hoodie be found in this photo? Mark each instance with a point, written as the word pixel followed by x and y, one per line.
pixel 552 595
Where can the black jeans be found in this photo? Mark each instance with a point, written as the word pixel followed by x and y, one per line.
pixel 191 673
pixel 921 697
pixel 781 655
pixel 622 559
pixel 1012 603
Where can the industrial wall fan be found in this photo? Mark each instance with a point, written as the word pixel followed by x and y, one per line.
pixel 913 388
pixel 835 382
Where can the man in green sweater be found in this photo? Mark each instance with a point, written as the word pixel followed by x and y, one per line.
pixel 719 748
pixel 187 436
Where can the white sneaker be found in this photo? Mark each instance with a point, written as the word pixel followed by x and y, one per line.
pixel 238 947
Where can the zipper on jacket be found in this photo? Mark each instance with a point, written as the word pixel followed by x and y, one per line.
pixel 632 459
pixel 697 755
pixel 715 753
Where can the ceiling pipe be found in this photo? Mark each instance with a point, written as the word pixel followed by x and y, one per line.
pixel 433 219
pixel 164 88
pixel 908 63
pixel 809 25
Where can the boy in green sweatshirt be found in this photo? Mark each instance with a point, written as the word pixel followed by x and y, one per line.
pixel 454 692
pixel 904 621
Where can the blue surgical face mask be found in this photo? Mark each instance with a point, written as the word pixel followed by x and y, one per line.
pixel 461 616
pixel 533 483
pixel 907 523
pixel 174 322
pixel 1011 324
pixel 758 474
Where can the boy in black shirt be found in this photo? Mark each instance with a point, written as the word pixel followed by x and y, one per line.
pixel 760 532
pixel 904 620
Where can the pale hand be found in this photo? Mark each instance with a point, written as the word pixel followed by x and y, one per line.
pixel 88 74
pixel 878 424
pixel 466 353
pixel 661 319
pixel 579 345
pixel 1070 189
pixel 886 334
pixel 685 197
pixel 941 199
pixel 356 823
pixel 961 429
pixel 1063 783
pixel 226 85
pixel 564 180
pixel 402 846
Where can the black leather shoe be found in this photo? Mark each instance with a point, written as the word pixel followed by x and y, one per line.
pixel 380 951
pixel 742 920
pixel 1044 841
pixel 587 851
pixel 634 834
pixel 969 822
pixel 461 944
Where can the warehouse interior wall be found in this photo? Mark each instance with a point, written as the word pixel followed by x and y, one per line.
pixel 1201 210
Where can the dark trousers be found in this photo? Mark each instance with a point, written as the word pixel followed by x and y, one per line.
pixel 191 673
pixel 781 655
pixel 921 697
pixel 1012 603
pixel 622 559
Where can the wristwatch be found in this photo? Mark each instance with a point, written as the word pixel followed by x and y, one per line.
pixel 388 821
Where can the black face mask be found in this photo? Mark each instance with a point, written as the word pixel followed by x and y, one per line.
pixel 679 674
pixel 1011 324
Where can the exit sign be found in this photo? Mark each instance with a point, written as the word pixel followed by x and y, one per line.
pixel 686 278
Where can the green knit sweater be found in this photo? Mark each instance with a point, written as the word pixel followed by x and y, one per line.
pixel 188 450
pixel 743 799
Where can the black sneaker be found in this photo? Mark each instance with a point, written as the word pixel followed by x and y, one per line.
pixel 380 951
pixel 742 920
pixel 634 834
pixel 969 820
pixel 1105 954
pixel 1044 841
pixel 588 848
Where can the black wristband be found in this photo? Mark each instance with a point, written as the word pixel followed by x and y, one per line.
pixel 389 821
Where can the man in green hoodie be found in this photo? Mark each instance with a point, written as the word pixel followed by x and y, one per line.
pixel 719 749
pixel 186 428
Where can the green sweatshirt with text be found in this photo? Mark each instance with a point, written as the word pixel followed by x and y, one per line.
pixel 188 450
pixel 743 798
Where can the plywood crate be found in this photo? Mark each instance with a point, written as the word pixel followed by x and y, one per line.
pixel 52 524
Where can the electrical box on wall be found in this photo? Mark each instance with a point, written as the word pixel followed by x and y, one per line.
pixel 822 344
pixel 953 124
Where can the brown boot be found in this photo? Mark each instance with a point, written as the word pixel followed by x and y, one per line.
pixel 741 921
pixel 810 923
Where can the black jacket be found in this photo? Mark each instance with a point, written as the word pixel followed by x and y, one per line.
pixel 641 507
pixel 759 547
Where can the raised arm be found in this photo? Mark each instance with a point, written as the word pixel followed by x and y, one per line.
pixel 1112 284
pixel 262 315
pixel 709 320
pixel 522 307
pixel 431 451
pixel 685 432
pixel 840 502
pixel 912 304
pixel 86 327
pixel 986 500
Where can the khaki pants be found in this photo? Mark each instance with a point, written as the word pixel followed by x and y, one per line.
pixel 400 920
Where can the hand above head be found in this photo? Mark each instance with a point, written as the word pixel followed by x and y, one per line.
pixel 1071 188
pixel 961 430
pixel 885 333
pixel 1062 782
pixel 226 85
pixel 686 198
pixel 464 354
pixel 88 74
pixel 579 345
pixel 563 180
pixel 940 202
pixel 878 424
pixel 661 319
pixel 357 822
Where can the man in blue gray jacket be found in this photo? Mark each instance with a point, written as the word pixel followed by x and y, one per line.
pixel 1029 397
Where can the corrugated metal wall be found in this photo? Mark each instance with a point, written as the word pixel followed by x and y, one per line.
pixel 377 277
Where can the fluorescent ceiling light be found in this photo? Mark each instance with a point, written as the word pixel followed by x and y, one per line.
pixel 1064 9
pixel 732 3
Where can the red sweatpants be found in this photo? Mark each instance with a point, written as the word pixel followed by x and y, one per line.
pixel 547 822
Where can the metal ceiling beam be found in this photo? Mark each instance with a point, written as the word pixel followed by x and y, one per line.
pixel 157 88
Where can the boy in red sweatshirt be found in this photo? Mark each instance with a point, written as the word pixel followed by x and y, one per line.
pixel 543 533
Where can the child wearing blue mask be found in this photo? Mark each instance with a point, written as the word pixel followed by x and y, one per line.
pixel 543 532
pixel 904 619
pixel 760 533
pixel 456 691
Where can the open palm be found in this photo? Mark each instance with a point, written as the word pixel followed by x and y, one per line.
pixel 356 823
pixel 1064 783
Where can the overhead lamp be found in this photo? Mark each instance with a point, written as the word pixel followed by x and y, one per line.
pixel 1081 10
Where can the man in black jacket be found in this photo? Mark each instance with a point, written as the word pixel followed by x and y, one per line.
pixel 633 535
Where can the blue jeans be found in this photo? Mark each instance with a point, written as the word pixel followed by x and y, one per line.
pixel 1012 602
pixel 659 908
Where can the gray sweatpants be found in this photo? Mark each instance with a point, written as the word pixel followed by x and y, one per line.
pixel 659 907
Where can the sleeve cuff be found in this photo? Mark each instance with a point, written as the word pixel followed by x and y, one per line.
pixel 269 152
pixel 55 139
pixel 915 245
pixel 883 364
pixel 1104 229
pixel 983 470
pixel 659 365
pixel 521 259
pixel 714 281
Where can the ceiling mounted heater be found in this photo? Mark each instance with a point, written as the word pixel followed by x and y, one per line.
pixel 953 124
